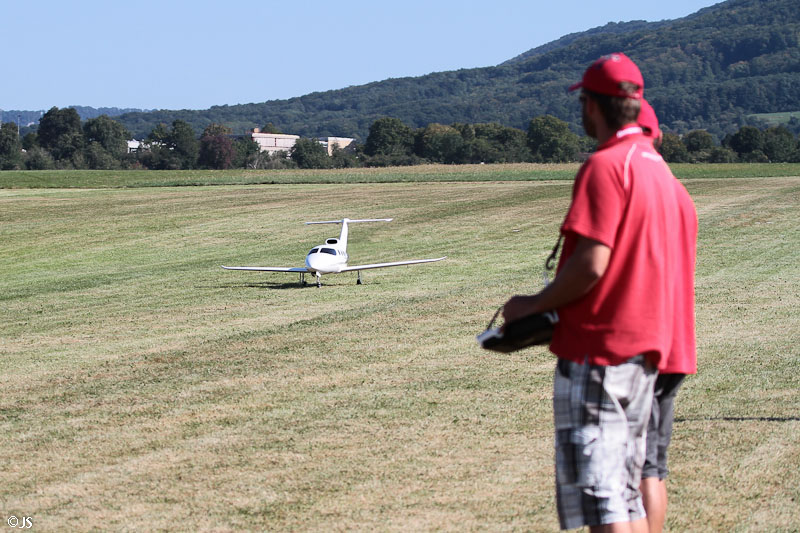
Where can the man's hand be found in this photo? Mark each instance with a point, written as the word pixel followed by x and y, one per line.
pixel 520 306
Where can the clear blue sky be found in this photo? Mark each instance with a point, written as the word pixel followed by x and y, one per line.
pixel 164 54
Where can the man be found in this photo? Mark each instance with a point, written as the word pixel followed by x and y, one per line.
pixel 682 358
pixel 648 121
pixel 623 249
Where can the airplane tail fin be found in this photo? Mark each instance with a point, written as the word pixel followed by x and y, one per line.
pixel 343 235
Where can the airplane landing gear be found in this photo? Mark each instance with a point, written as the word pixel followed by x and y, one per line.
pixel 358 281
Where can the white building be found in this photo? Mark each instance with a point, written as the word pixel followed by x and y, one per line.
pixel 134 146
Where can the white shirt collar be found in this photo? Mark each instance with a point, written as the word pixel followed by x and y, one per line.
pixel 629 131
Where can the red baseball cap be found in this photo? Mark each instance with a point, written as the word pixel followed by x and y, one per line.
pixel 604 76
pixel 648 120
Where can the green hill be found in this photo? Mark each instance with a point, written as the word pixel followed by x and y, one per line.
pixel 711 70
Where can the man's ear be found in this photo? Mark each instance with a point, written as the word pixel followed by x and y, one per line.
pixel 591 105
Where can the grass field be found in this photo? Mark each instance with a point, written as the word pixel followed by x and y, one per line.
pixel 776 119
pixel 88 179
pixel 144 388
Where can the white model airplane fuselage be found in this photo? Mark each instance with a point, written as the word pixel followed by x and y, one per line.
pixel 331 257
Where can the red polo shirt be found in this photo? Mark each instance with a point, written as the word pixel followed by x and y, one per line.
pixel 626 197
pixel 683 355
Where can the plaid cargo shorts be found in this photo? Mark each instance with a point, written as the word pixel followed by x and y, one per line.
pixel 659 429
pixel 601 414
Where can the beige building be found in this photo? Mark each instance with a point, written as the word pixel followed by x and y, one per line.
pixel 342 143
pixel 273 142
pixel 281 142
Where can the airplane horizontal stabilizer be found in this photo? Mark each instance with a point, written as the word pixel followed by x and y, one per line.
pixel 352 220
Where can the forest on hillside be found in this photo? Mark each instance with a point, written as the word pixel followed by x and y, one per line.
pixel 711 70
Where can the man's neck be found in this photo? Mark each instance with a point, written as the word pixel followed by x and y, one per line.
pixel 603 132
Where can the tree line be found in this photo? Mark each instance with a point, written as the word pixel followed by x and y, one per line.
pixel 63 142
pixel 550 140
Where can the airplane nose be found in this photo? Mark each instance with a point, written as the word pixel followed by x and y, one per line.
pixel 315 263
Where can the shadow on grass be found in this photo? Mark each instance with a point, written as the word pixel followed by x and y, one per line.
pixel 740 419
pixel 262 285
pixel 278 286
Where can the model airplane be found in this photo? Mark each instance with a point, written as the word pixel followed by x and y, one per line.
pixel 331 257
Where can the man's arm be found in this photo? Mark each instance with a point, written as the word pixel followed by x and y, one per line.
pixel 581 271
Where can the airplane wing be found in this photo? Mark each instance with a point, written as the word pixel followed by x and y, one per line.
pixel 394 264
pixel 268 269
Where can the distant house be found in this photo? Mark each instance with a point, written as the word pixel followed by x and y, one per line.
pixel 342 143
pixel 273 142
pixel 281 142
pixel 134 146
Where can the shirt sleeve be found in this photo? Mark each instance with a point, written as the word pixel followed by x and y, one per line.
pixel 598 202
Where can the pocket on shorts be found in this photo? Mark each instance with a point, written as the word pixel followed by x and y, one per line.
pixel 577 449
pixel 591 463
pixel 563 367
